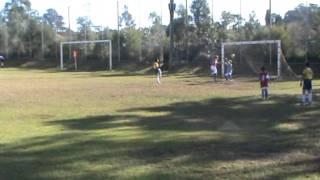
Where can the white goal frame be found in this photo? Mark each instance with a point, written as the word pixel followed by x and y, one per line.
pixel 86 42
pixel 278 42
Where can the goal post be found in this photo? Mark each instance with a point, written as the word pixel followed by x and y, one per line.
pixel 85 42
pixel 277 42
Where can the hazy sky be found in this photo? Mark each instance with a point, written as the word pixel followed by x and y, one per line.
pixel 104 12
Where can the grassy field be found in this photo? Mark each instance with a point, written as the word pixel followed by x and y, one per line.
pixel 103 125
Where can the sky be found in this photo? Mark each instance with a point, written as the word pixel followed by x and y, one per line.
pixel 104 12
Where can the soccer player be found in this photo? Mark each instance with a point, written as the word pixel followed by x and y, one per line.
pixel 228 74
pixel 2 58
pixel 226 64
pixel 157 68
pixel 213 68
pixel 264 83
pixel 306 83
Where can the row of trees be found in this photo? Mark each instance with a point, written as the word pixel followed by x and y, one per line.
pixel 25 34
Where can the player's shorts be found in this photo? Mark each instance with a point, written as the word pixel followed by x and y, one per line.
pixel 307 84
pixel 213 70
pixel 157 71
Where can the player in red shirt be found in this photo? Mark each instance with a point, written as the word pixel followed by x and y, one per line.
pixel 264 83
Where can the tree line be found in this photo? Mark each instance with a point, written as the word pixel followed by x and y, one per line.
pixel 27 35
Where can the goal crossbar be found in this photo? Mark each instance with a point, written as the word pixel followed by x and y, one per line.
pixel 86 42
pixel 239 43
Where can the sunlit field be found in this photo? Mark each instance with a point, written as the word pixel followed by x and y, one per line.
pixel 109 125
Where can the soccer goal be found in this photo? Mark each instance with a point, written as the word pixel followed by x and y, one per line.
pixel 246 43
pixel 108 42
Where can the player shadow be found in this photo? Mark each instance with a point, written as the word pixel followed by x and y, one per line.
pixel 179 135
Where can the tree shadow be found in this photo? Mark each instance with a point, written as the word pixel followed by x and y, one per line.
pixel 177 136
pixel 298 169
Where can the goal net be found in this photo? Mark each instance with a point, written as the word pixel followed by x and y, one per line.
pixel 249 56
pixel 75 49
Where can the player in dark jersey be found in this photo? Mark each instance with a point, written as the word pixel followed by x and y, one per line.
pixel 157 69
pixel 306 83
pixel 2 58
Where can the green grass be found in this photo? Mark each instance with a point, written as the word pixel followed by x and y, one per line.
pixel 107 125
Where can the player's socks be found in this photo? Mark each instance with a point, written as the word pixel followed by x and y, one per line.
pixel 303 97
pixel 310 97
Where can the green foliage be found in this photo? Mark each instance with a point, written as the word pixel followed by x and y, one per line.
pixel 131 43
pixel 52 18
pixel 126 18
pixel 201 13
pixel 27 34
pixel 84 27
pixel 251 27
pixel 4 36
pixel 17 18
pixel 302 27
pixel 201 17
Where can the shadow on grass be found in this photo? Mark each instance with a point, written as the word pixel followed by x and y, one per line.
pixel 189 140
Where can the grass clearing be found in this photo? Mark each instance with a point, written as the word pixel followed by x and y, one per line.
pixel 107 125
